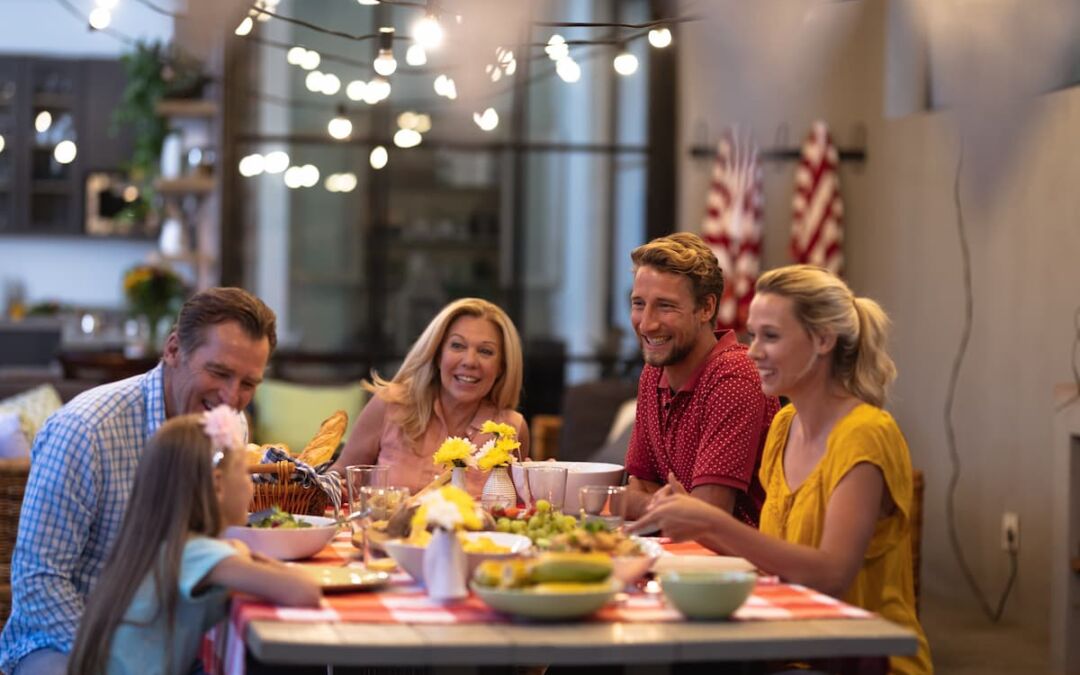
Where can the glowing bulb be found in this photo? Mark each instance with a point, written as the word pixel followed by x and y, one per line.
pixel 487 120
pixel 377 90
pixel 43 121
pixel 346 182
pixel 368 2
pixel 313 81
pixel 295 56
pixel 355 90
pixel 660 37
pixel 568 70
pixel 423 123
pixel 444 86
pixel 625 64
pixel 252 165
pixel 378 157
pixel 407 120
pixel 294 177
pixel 276 161
pixel 2 142
pixel 385 64
pixel 309 175
pixel 65 152
pixel 330 84
pixel 556 49
pixel 428 32
pixel 100 18
pixel 106 4
pixel 245 26
pixel 415 56
pixel 407 138
pixel 311 60
pixel 340 128
pixel 131 193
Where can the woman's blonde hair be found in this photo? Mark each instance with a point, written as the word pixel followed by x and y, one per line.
pixel 174 496
pixel 823 303
pixel 417 383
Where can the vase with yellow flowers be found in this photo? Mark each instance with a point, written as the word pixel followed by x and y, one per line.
pixel 496 456
pixel 458 455
pixel 153 292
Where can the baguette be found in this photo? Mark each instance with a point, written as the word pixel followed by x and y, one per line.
pixel 321 447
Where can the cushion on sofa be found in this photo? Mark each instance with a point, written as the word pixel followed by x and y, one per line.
pixel 13 441
pixel 291 413
pixel 32 407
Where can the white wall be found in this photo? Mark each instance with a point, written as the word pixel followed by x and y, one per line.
pixel 810 60
pixel 71 270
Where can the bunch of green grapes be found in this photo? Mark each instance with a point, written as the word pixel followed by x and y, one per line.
pixel 539 524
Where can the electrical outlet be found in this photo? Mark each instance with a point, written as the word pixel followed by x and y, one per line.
pixel 1010 532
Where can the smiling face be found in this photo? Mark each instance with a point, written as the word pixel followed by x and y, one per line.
pixel 234 488
pixel 785 353
pixel 667 320
pixel 225 368
pixel 470 359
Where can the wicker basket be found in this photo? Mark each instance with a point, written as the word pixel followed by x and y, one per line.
pixel 286 494
pixel 13 475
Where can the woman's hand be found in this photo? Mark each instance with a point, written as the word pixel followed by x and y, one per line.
pixel 679 515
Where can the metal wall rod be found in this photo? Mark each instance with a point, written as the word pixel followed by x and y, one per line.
pixel 435 144
pixel 780 154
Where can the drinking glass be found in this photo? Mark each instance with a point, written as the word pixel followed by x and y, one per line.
pixel 373 503
pixel 546 482
pixel 603 503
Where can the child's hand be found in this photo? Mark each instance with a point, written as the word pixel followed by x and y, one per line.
pixel 241 548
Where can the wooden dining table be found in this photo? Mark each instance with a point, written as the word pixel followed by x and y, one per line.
pixel 398 625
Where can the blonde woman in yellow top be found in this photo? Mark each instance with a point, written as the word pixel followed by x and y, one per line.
pixel 835 467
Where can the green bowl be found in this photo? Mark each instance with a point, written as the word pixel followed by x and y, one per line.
pixel 547 606
pixel 707 595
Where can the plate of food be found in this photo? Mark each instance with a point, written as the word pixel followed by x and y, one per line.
pixel 552 586
pixel 284 536
pixel 479 546
pixel 631 556
pixel 338 579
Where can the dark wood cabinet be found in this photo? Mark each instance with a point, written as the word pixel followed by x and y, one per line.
pixel 51 109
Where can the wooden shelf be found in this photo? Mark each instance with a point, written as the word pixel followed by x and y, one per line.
pixel 45 100
pixel 187 185
pixel 180 107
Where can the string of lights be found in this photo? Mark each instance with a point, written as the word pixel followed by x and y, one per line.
pixel 98 20
pixel 317 28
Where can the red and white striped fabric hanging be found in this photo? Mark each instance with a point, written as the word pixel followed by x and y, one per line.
pixel 732 224
pixel 817 234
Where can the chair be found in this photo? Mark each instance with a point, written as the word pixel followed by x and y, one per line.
pixel 916 517
pixel 588 411
pixel 13 475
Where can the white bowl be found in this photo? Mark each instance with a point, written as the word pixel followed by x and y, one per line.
pixel 287 544
pixel 578 475
pixel 411 557
pixel 629 569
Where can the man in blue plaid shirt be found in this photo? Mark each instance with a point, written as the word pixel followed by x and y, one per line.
pixel 83 467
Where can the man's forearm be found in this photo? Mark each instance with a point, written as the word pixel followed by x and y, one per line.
pixel 638 494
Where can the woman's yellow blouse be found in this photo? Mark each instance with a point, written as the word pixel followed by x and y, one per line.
pixel 884 584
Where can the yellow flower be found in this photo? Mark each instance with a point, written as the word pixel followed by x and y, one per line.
pixel 497 452
pixel 455 452
pixel 448 507
pixel 501 430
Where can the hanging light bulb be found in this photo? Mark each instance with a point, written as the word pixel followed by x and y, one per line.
pixel 245 26
pixel 355 90
pixel 378 157
pixel 415 56
pixel 311 60
pixel 64 152
pixel 568 70
pixel 377 90
pixel 309 175
pixel 428 31
pixel 100 18
pixel 295 56
pixel 487 120
pixel 660 37
pixel 385 64
pixel 313 81
pixel 252 165
pixel 407 138
pixel 368 2
pixel 444 86
pixel 330 84
pixel 625 63
pixel 43 121
pixel 276 161
pixel 556 49
pixel 340 127
pixel 2 142
pixel 294 177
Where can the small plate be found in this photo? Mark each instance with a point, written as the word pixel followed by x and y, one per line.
pixel 340 579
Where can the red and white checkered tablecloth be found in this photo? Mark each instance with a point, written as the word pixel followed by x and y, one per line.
pixel 404 601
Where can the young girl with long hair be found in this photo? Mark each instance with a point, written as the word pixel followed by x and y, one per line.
pixel 835 467
pixel 168 575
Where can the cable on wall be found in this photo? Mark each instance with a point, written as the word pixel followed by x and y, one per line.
pixel 992 613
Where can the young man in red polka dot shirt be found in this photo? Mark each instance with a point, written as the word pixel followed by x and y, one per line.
pixel 701 415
